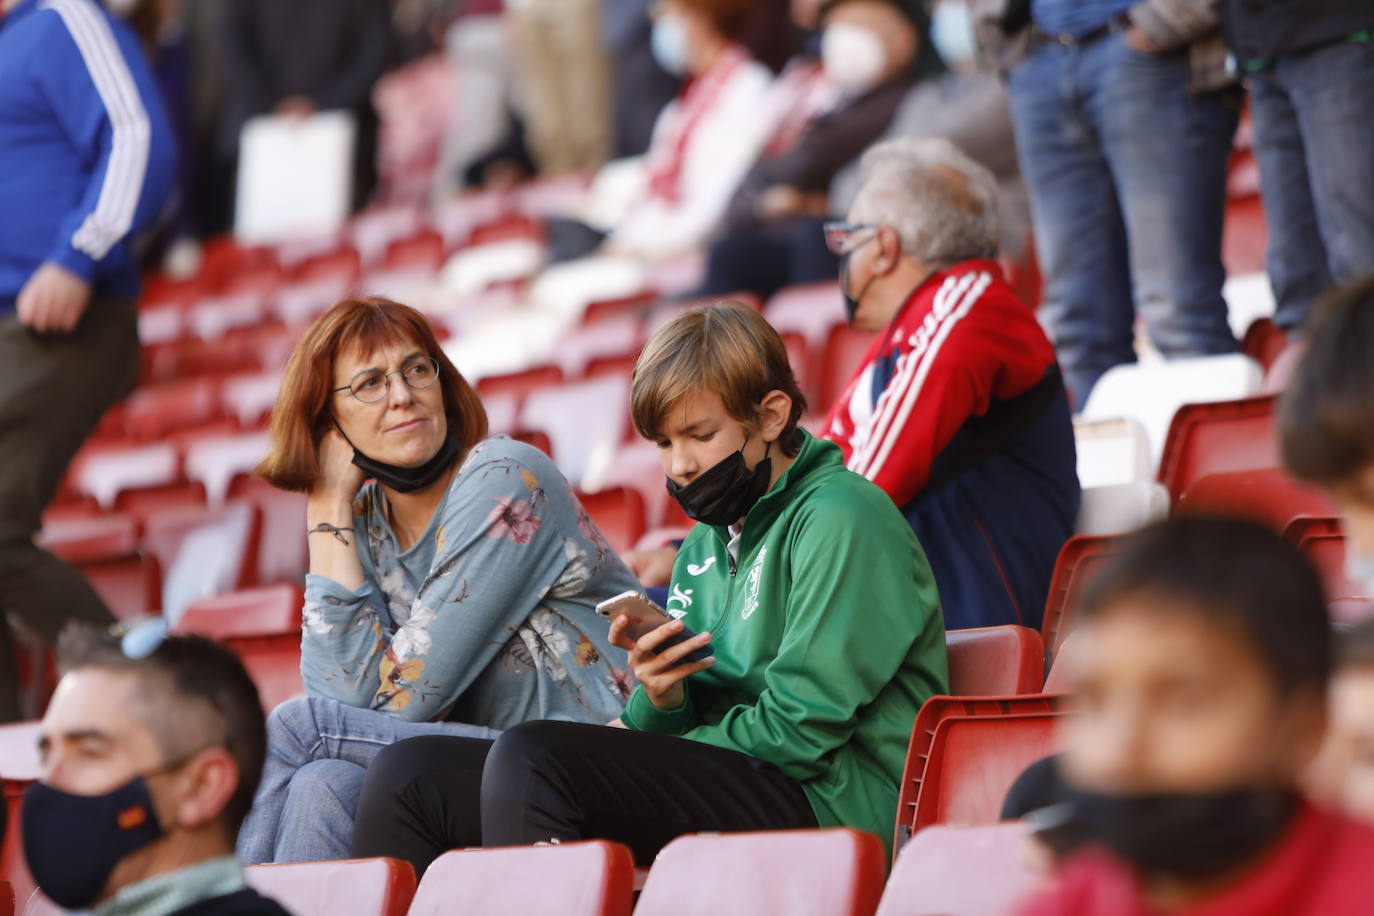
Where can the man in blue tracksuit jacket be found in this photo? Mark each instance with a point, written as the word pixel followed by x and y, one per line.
pixel 86 160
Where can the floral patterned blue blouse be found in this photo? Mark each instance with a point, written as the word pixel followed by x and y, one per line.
pixel 488 618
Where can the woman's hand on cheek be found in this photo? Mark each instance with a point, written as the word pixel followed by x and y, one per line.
pixel 655 671
pixel 340 479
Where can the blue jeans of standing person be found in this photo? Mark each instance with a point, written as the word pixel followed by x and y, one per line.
pixel 1127 177
pixel 1314 141
pixel 318 752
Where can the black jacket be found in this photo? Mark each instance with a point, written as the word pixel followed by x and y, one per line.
pixel 1258 31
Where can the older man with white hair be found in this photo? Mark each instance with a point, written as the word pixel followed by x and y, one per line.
pixel 958 410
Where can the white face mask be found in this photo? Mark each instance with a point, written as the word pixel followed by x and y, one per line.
pixel 668 43
pixel 951 31
pixel 1359 568
pixel 852 56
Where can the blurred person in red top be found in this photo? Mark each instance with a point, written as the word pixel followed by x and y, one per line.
pixel 1199 687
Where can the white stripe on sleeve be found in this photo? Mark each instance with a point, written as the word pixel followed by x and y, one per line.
pixel 114 212
pixel 910 396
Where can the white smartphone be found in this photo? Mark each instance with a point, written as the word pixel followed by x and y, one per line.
pixel 645 617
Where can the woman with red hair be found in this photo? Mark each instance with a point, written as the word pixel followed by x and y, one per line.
pixel 455 595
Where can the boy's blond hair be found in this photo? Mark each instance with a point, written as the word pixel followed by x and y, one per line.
pixel 725 347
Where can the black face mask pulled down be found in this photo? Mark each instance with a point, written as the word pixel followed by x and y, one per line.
pixel 723 493
pixel 1186 836
pixel 407 480
pixel 74 842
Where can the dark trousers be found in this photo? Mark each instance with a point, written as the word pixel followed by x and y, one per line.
pixel 53 391
pixel 764 259
pixel 566 781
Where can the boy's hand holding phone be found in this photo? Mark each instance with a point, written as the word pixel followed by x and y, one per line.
pixel 662 650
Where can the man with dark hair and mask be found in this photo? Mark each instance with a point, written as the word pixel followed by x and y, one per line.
pixel 151 752
pixel 958 411
pixel 1199 684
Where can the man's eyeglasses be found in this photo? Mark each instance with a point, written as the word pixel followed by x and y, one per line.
pixel 372 385
pixel 842 237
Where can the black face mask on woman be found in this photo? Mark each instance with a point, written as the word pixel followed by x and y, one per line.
pixel 407 480
pixel 74 842
pixel 723 493
pixel 1182 835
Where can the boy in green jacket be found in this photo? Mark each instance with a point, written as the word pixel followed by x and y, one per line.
pixel 808 586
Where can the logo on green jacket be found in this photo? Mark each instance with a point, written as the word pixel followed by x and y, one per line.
pixel 751 585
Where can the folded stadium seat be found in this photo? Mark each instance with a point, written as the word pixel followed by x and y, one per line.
pixel 150 413
pixel 995 661
pixel 618 513
pixel 500 341
pixel 1122 507
pixel 1283 367
pixel 103 470
pixel 960 871
pixel 582 418
pixel 1078 559
pixel 844 352
pixel 456 217
pixel 283 555
pixel 353 887
pixel 964 755
pixel 637 464
pixel 520 384
pixel 211 317
pixel 19 769
pixel 566 289
pixel 1264 341
pixel 267 610
pixel 1112 452
pixel 811 309
pixel 195 358
pixel 299 302
pixel 475 267
pixel 1322 541
pixel 1152 393
pixel 1219 437
pixel 374 231
pixel 139 503
pixel 161 324
pixel 224 257
pixel 105 550
pixel 502 410
pixel 633 307
pixel 248 399
pixel 1057 681
pixel 680 274
pixel 274 664
pixel 505 228
pixel 572 879
pixel 203 551
pixel 835 871
pixel 213 461
pixel 341 262
pixel 1268 496
pixel 610 338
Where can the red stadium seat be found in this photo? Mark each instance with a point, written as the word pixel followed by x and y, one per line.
pixel 799 358
pixel 1215 438
pixel 611 338
pixel 422 250
pixel 274 663
pixel 203 551
pixel 505 230
pixel 243 307
pixel 1078 559
pixel 960 871
pixel 1322 541
pixel 1269 496
pixel 1057 681
pixel 845 349
pixel 635 306
pixel 354 887
pixel 1285 364
pixel 6 899
pixel 150 413
pixel 105 470
pixel 269 610
pixel 535 437
pixel 837 871
pixel 965 754
pixel 812 309
pixel 995 661
pixel 582 418
pixel 105 550
pixel 577 879
pixel 521 384
pixel 1245 236
pixel 212 461
pixel 142 502
pixel 342 264
pixel 283 555
pixel 1264 341
pixel 619 513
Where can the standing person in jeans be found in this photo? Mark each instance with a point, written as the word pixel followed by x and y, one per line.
pixel 86 160
pixel 818 605
pixel 1309 65
pixel 1124 116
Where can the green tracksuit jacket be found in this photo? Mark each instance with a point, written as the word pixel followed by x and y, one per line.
pixel 827 634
